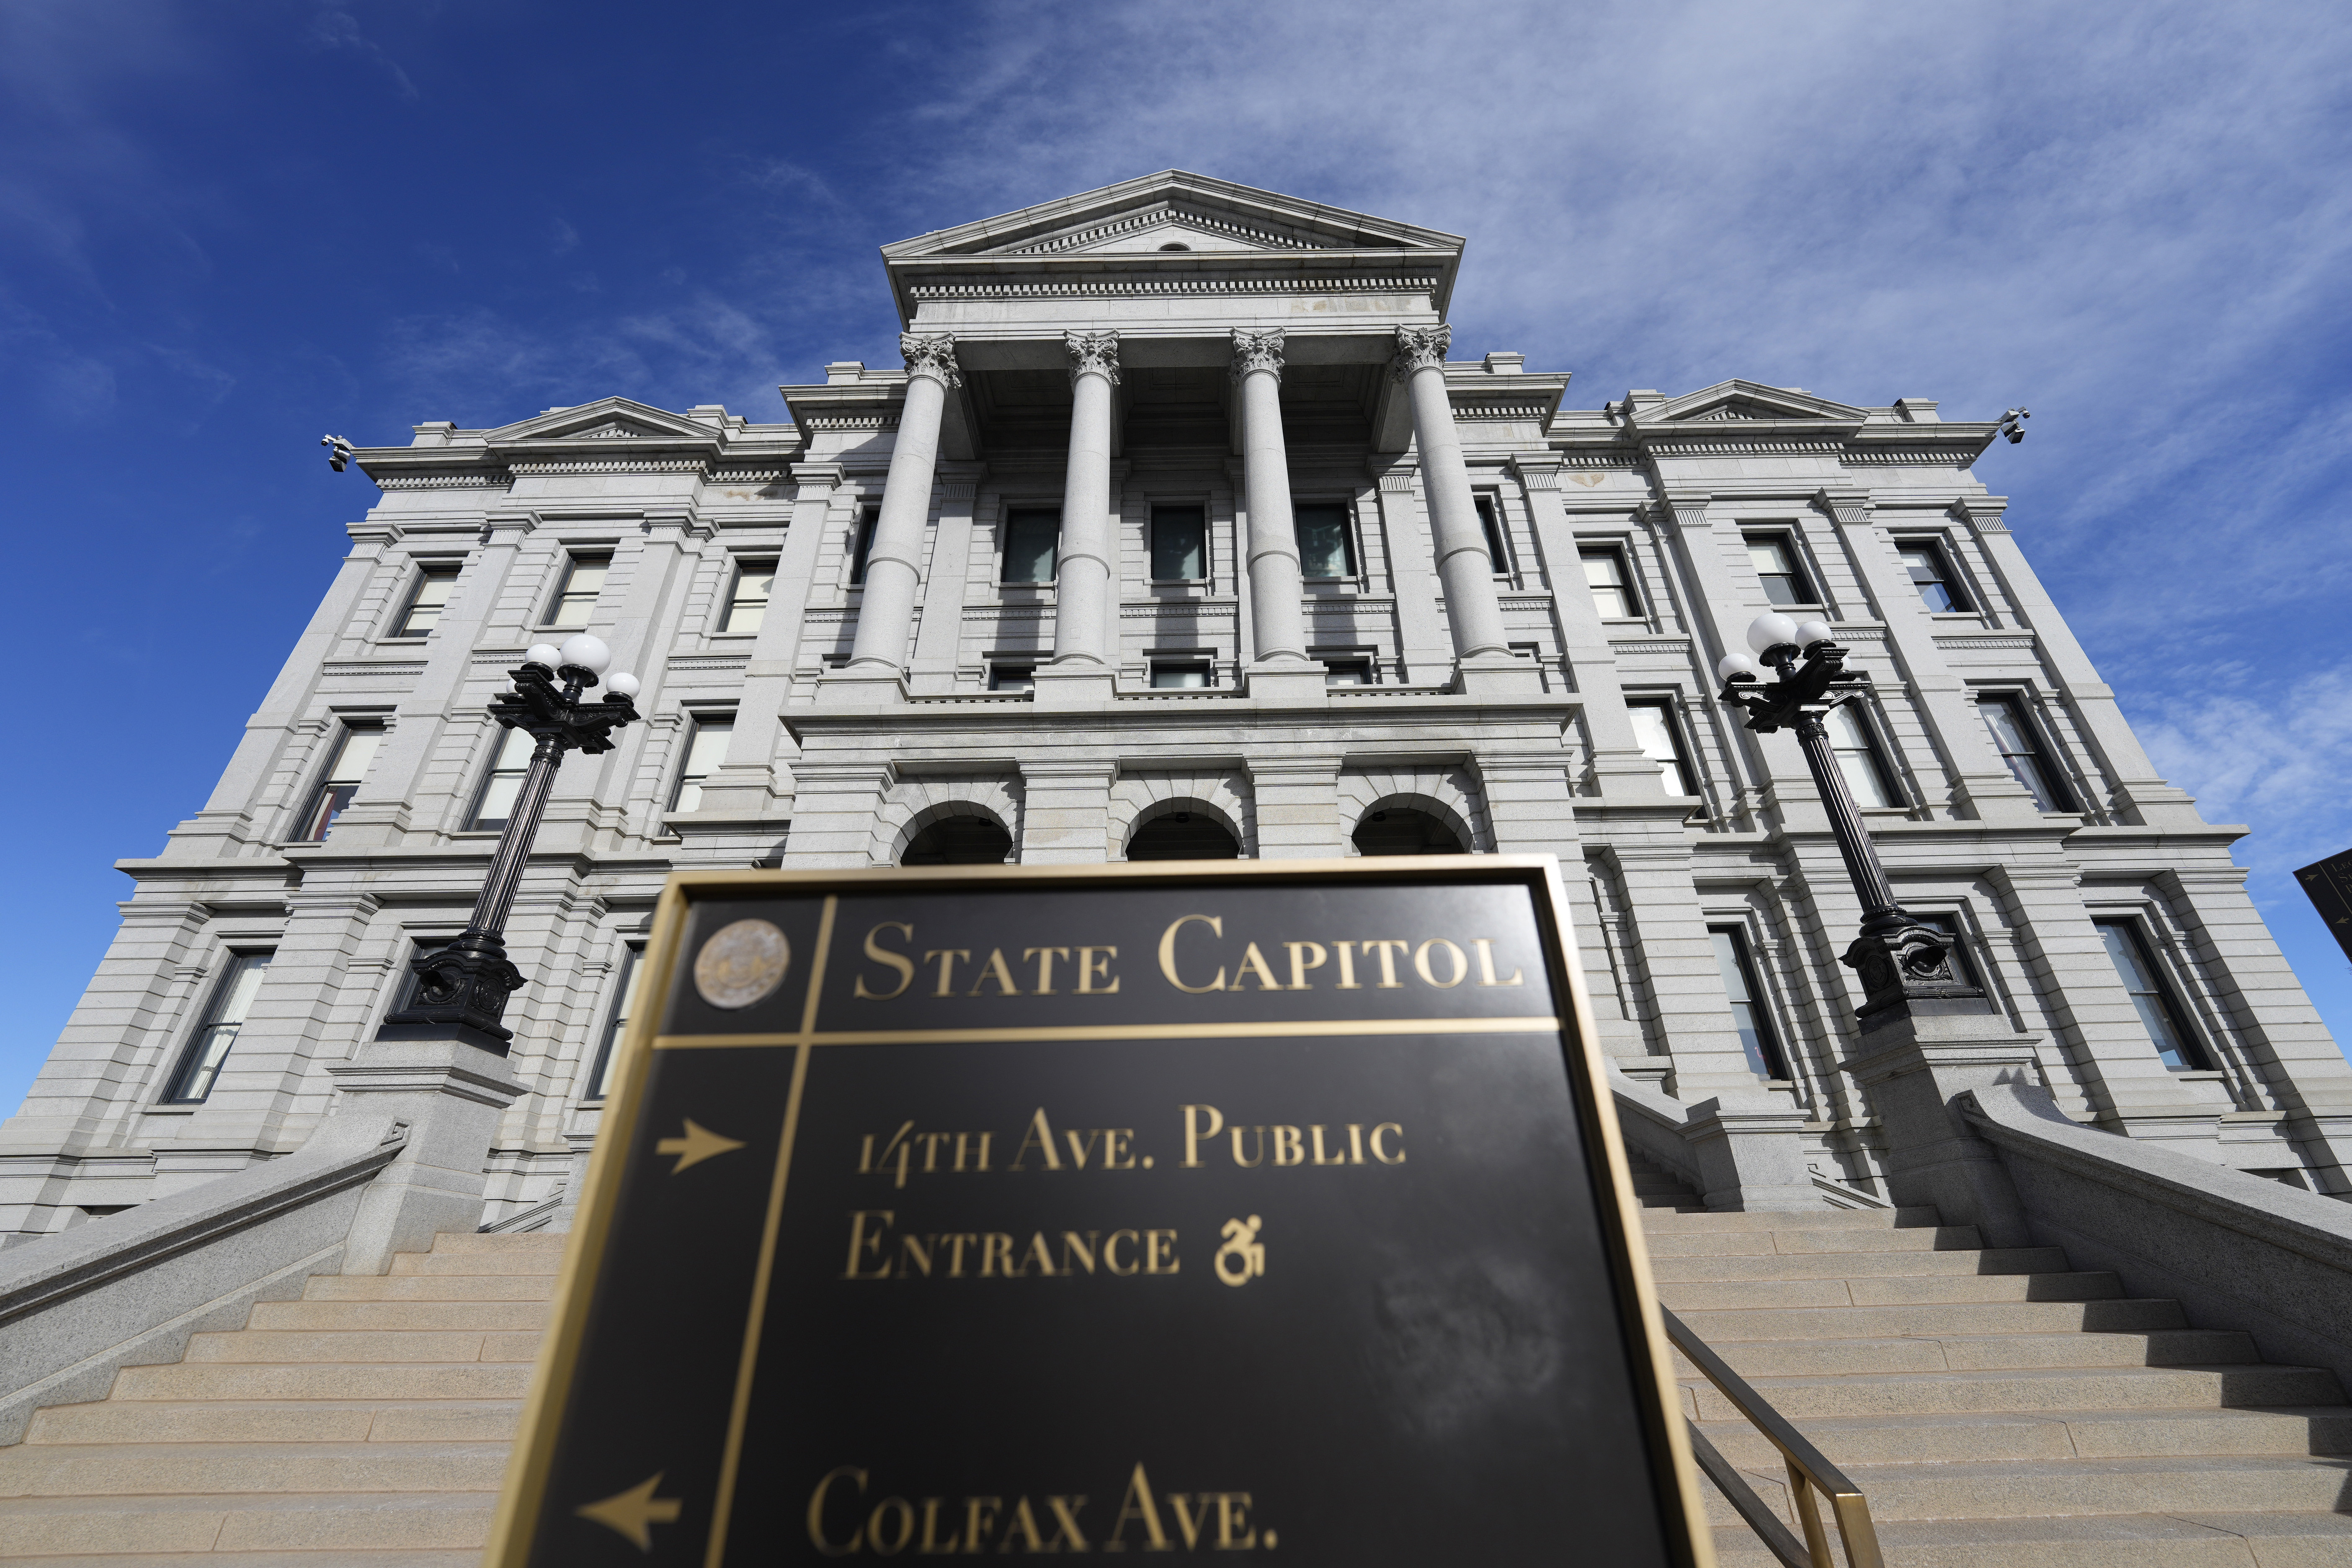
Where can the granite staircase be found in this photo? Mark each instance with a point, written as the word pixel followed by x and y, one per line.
pixel 1998 1408
pixel 365 1425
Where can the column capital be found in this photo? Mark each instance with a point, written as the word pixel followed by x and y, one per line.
pixel 1420 348
pixel 931 354
pixel 1984 513
pixel 1684 510
pixel 1092 353
pixel 1537 470
pixel 1255 352
pixel 1849 508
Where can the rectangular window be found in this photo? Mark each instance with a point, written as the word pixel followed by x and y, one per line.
pixel 1613 586
pixel 2013 737
pixel 608 1051
pixel 1655 729
pixel 1749 1014
pixel 869 517
pixel 747 606
pixel 1859 759
pixel 1347 672
pixel 705 754
pixel 2176 1047
pixel 1932 575
pixel 354 750
pixel 1490 522
pixel 1180 675
pixel 1179 545
pixel 1013 677
pixel 1325 547
pixel 503 782
pixel 426 602
pixel 1775 560
pixel 232 1000
pixel 575 600
pixel 1031 535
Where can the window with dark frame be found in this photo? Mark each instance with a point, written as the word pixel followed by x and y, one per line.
pixel 1774 556
pixel 2160 1011
pixel 608 1049
pixel 427 601
pixel 1859 759
pixel 1327 548
pixel 575 598
pixel 1031 535
pixel 1662 738
pixel 1180 674
pixel 232 1000
pixel 494 803
pixel 1013 677
pixel 354 750
pixel 1490 523
pixel 705 754
pixel 869 517
pixel 747 602
pixel 1931 573
pixel 1612 585
pixel 2019 745
pixel 1180 543
pixel 1749 1014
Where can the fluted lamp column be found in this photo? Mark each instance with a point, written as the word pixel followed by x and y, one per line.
pixel 1082 669
pixel 1464 567
pixel 886 614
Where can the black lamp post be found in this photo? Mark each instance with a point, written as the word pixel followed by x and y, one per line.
pixel 462 989
pixel 1905 966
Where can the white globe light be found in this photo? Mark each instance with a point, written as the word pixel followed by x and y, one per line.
pixel 1770 630
pixel 587 653
pixel 1810 632
pixel 623 684
pixel 1733 664
pixel 545 653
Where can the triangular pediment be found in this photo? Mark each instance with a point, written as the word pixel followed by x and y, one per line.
pixel 607 419
pixel 1174 207
pixel 1748 400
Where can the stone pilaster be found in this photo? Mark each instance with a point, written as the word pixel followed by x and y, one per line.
pixel 1066 811
pixel 1297 807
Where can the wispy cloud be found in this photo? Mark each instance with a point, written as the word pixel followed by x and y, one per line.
pixel 335 28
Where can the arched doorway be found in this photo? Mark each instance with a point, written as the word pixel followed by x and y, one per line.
pixel 1400 830
pixel 958 841
pixel 1183 835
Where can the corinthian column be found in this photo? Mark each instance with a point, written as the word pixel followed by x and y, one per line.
pixel 1277 626
pixel 893 565
pixel 1464 567
pixel 1082 580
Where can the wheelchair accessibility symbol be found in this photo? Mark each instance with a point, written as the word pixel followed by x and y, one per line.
pixel 1245 1252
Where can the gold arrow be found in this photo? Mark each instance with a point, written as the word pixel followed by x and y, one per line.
pixel 633 1512
pixel 700 1144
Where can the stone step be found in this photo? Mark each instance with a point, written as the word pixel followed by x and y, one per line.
pixel 409 1265
pixel 470 1381
pixel 333 1345
pixel 1725 1328
pixel 430 1288
pixel 2017 1436
pixel 368 1316
pixel 151 1469
pixel 466 1559
pixel 1664 1243
pixel 1803 1220
pixel 314 1521
pixel 1660 1202
pixel 1898 1291
pixel 2078 1487
pixel 2121 1390
pixel 1981 1353
pixel 513 1243
pixel 2097 1540
pixel 1704 1269
pixel 277 1421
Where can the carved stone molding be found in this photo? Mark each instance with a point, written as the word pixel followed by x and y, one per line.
pixel 1420 348
pixel 1092 353
pixel 931 354
pixel 1253 351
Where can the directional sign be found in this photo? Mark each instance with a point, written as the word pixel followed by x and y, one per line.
pixel 1195 1209
pixel 2328 884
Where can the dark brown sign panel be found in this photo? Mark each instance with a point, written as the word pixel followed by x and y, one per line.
pixel 2328 884
pixel 1268 1209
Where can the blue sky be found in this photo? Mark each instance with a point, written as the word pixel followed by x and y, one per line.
pixel 224 229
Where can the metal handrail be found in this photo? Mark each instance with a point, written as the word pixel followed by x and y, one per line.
pixel 1808 1471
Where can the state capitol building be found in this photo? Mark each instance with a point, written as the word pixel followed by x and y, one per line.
pixel 1187 530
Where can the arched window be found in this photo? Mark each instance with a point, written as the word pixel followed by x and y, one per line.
pixel 1399 831
pixel 1183 835
pixel 958 841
